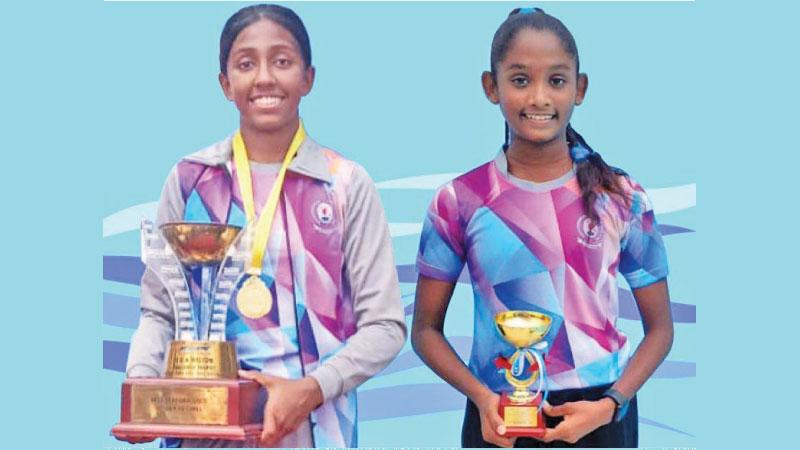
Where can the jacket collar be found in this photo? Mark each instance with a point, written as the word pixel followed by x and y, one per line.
pixel 310 160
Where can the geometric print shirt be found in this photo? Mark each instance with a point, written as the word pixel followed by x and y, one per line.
pixel 529 246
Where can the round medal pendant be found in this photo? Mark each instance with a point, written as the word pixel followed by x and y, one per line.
pixel 254 299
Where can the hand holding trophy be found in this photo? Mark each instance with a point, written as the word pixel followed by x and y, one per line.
pixel 201 395
pixel 521 410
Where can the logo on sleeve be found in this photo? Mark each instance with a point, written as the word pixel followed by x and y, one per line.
pixel 590 234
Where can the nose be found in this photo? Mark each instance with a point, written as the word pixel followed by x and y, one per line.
pixel 264 75
pixel 540 95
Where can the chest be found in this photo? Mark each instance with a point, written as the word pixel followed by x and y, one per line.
pixel 547 230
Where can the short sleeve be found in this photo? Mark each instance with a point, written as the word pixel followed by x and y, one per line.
pixel 441 249
pixel 643 258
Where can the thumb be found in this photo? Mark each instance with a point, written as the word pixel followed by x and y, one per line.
pixel 497 423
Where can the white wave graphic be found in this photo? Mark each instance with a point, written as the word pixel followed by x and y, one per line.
pixel 398 229
pixel 129 218
pixel 425 182
pixel 665 200
pixel 671 199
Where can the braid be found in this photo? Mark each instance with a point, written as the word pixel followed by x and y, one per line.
pixel 593 174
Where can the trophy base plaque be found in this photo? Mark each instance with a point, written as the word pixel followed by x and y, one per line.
pixel 522 419
pixel 186 408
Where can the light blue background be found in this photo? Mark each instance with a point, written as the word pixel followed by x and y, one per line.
pixel 106 97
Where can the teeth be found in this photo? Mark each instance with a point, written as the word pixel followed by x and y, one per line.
pixel 266 101
pixel 541 117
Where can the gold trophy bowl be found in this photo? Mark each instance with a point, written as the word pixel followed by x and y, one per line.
pixel 522 329
pixel 199 243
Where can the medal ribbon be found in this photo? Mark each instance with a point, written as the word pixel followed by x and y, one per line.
pixel 264 224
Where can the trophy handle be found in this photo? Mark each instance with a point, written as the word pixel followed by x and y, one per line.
pixel 157 256
pixel 233 267
pixel 541 387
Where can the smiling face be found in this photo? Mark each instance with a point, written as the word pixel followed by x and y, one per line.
pixel 536 85
pixel 266 77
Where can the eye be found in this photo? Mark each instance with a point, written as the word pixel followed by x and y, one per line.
pixel 245 64
pixel 519 81
pixel 558 81
pixel 283 61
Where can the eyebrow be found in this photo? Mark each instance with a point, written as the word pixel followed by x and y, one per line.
pixel 281 46
pixel 518 66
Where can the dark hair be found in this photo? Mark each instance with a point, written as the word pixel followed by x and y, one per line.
pixel 249 15
pixel 592 172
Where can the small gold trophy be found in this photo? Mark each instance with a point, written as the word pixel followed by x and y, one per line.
pixel 522 410
pixel 201 395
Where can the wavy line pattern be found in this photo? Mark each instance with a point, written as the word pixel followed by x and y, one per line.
pixel 665 200
pixel 115 357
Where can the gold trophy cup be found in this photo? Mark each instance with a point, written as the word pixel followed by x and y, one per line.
pixel 201 395
pixel 521 410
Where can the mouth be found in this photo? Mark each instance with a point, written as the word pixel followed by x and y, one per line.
pixel 538 117
pixel 266 101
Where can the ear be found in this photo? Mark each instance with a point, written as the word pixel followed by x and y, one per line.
pixel 583 85
pixel 226 86
pixel 490 87
pixel 308 79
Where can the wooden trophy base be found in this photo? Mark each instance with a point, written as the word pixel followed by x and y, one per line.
pixel 522 419
pixel 185 408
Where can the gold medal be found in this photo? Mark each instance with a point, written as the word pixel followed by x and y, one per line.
pixel 254 299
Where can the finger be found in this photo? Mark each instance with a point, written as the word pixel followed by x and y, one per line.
pixel 554 434
pixel 503 441
pixel 560 410
pixel 549 435
pixel 250 375
pixel 500 429
pixel 262 379
pixel 270 430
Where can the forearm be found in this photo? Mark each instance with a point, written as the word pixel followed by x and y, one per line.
pixel 434 349
pixel 654 307
pixel 148 347
pixel 366 353
pixel 650 353
pixel 156 329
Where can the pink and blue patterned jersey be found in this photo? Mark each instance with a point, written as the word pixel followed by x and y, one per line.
pixel 529 246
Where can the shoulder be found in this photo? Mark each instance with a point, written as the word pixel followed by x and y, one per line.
pixel 475 180
pixel 343 168
pixel 460 196
pixel 211 160
pixel 345 173
pixel 215 154
pixel 635 194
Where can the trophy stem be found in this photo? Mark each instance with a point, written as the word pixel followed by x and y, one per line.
pixel 209 275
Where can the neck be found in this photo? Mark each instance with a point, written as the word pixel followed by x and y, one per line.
pixel 268 146
pixel 538 163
